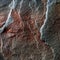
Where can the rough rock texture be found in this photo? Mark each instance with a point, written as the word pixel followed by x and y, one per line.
pixel 21 39
pixel 50 30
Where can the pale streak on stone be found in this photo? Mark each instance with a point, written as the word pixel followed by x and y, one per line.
pixel 49 4
pixel 47 26
pixel 21 4
pixel 8 21
pixel 46 16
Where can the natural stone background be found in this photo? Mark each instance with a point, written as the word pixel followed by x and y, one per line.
pixel 21 39
pixel 51 28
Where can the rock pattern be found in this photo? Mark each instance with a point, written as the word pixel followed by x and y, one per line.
pixel 21 39
pixel 50 30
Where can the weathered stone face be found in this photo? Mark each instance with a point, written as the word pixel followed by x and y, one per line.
pixel 50 30
pixel 20 40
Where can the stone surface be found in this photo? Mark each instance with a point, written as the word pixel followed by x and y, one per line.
pixel 21 39
pixel 50 30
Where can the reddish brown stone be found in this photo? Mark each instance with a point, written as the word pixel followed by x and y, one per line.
pixel 22 37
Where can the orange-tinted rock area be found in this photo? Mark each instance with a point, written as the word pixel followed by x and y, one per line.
pixel 21 39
